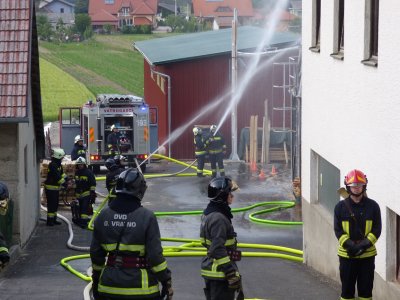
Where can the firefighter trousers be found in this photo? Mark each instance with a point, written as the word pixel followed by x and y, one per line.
pixel 218 290
pixel 200 164
pixel 358 271
pixel 52 197
pixel 215 159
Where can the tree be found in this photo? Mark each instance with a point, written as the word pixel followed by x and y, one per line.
pixel 44 29
pixel 82 22
pixel 81 6
pixel 60 30
pixel 175 22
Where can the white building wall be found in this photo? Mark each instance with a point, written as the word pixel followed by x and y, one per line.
pixel 351 112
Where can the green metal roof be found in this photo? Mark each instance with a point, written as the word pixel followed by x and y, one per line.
pixel 209 43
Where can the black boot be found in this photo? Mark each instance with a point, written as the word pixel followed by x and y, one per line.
pixel 56 222
pixel 50 221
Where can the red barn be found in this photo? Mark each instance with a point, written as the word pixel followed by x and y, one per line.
pixel 185 74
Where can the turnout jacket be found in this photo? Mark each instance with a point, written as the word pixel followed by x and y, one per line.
pixel 199 145
pixel 3 244
pixel 55 175
pixel 78 151
pixel 133 234
pixel 85 182
pixel 368 224
pixel 112 176
pixel 215 144
pixel 218 236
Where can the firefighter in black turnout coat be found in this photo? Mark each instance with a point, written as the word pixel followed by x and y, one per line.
pixel 127 234
pixel 358 225
pixel 4 198
pixel 199 151
pixel 85 192
pixel 216 147
pixel 219 270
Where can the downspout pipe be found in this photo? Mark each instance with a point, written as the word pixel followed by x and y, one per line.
pixel 152 69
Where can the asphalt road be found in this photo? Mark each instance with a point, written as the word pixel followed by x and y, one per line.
pixel 37 273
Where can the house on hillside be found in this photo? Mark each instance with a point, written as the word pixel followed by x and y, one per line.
pixel 56 10
pixel 351 120
pixel 21 123
pixel 120 13
pixel 219 14
pixel 183 74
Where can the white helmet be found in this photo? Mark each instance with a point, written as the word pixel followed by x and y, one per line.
pixel 213 128
pixel 57 153
pixel 196 130
pixel 78 138
pixel 80 161
pixel 113 127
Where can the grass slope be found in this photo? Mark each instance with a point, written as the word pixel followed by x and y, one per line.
pixel 59 89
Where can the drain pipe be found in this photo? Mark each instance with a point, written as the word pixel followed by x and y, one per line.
pixel 169 105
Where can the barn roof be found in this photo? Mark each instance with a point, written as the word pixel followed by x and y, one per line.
pixel 209 43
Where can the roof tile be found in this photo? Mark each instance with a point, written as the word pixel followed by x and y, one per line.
pixel 14 57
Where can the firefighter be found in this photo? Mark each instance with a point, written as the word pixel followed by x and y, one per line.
pixel 79 150
pixel 56 179
pixel 200 151
pixel 85 191
pixel 4 198
pixel 119 159
pixel 112 176
pixel 126 250
pixel 219 270
pixel 357 224
pixel 113 141
pixel 216 147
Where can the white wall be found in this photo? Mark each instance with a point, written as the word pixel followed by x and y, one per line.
pixel 351 112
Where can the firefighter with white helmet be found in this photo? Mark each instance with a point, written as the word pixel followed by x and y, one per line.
pixel 4 198
pixel 85 192
pixel 113 141
pixel 218 268
pixel 79 149
pixel 126 252
pixel 358 226
pixel 56 179
pixel 200 150
pixel 216 149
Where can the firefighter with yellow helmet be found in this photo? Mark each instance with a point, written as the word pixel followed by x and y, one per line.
pixel 358 225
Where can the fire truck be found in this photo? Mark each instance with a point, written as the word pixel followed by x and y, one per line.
pixel 128 113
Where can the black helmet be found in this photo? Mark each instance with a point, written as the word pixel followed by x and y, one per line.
pixel 118 159
pixel 110 163
pixel 131 182
pixel 3 191
pixel 220 188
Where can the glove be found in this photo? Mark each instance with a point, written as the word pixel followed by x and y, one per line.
pixel 4 258
pixel 233 278
pixel 95 284
pixel 93 197
pixel 363 246
pixel 351 248
pixel 167 292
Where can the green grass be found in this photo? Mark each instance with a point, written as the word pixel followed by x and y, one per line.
pixel 59 89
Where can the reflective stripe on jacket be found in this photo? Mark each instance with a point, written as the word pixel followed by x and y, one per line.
pixel 217 235
pixel 55 176
pixel 85 182
pixel 368 224
pixel 133 234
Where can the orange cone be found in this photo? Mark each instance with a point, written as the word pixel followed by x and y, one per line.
pixel 273 171
pixel 261 175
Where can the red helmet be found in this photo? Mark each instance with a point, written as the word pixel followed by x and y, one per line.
pixel 355 178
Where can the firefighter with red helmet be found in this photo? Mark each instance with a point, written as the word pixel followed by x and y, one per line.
pixel 218 268
pixel 126 251
pixel 4 199
pixel 56 179
pixel 358 225
pixel 85 192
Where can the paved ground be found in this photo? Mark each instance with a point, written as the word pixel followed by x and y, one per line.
pixel 37 273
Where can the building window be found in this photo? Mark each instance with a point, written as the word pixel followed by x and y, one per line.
pixel 316 26
pixel 26 164
pixel 62 10
pixel 338 36
pixel 371 33
pixel 109 1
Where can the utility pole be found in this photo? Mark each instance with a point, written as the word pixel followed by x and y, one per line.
pixel 175 8
pixel 234 155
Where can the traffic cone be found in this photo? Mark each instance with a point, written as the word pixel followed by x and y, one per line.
pixel 273 171
pixel 261 175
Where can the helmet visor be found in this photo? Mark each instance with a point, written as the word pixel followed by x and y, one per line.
pixel 356 184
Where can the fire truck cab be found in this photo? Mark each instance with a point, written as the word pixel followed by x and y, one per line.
pixel 130 115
